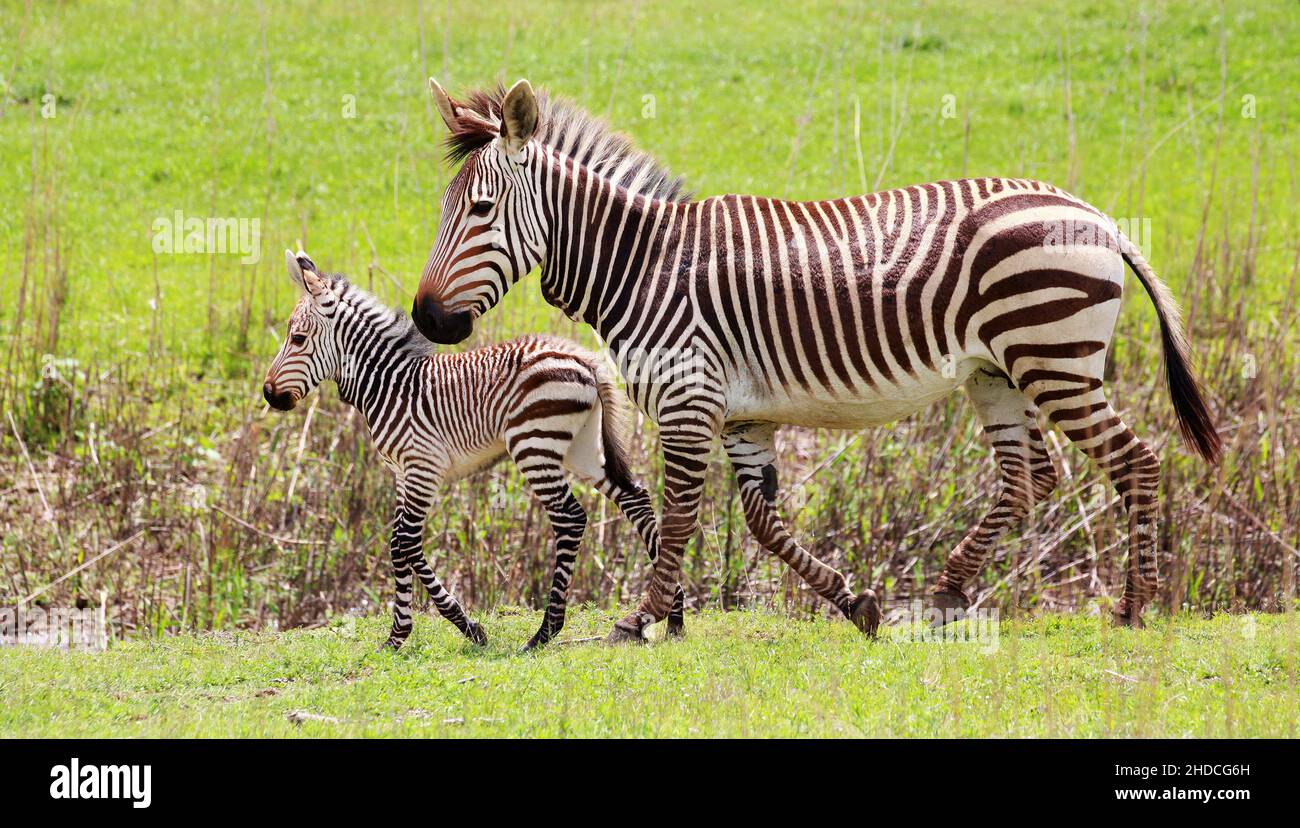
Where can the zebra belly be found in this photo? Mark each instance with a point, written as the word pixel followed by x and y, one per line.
pixel 474 460
pixel 848 408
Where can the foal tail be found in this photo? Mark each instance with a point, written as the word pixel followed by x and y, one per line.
pixel 613 427
pixel 1194 420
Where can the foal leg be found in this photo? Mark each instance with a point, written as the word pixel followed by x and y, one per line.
pixel 539 454
pixel 405 548
pixel 398 550
pixel 568 522
pixel 751 448
pixel 1026 476
pixel 447 605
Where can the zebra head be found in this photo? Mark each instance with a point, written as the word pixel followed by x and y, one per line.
pixel 492 228
pixel 310 353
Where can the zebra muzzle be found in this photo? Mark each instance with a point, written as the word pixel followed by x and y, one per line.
pixel 439 326
pixel 279 400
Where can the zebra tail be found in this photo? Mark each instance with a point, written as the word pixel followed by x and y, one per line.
pixel 1194 420
pixel 613 428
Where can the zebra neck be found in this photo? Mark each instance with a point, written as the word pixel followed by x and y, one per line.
pixel 603 243
pixel 372 358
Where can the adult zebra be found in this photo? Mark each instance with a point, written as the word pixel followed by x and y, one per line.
pixel 843 314
pixel 543 401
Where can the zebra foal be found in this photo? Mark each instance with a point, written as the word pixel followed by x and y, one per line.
pixel 435 418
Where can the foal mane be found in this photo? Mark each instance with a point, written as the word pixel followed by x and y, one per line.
pixel 396 326
pixel 567 127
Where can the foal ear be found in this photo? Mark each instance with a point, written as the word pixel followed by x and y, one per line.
pixel 312 281
pixel 295 269
pixel 518 117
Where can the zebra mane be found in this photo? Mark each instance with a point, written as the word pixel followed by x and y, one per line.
pixel 396 326
pixel 565 126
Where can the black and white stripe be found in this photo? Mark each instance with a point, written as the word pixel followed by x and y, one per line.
pixel 545 402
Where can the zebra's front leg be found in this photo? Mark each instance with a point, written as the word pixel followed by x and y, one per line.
pixel 634 501
pixel 406 533
pixel 751 448
pixel 406 549
pixel 684 465
pixel 402 624
pixel 448 606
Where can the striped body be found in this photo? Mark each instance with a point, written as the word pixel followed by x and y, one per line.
pixel 434 418
pixel 842 314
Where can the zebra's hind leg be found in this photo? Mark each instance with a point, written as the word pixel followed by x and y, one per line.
pixel 751 448
pixel 1079 408
pixel 547 482
pixel 538 437
pixel 1026 476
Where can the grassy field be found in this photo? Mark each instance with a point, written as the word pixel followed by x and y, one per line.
pixel 139 463
pixel 737 674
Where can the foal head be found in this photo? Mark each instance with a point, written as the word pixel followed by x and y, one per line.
pixel 310 353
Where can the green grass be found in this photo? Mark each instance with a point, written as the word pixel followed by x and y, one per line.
pixel 737 674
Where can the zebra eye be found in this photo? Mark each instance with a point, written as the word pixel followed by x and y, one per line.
pixel 480 208
pixel 298 339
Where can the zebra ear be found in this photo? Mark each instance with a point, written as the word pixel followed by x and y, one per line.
pixel 295 270
pixel 446 106
pixel 456 115
pixel 518 117
pixel 312 281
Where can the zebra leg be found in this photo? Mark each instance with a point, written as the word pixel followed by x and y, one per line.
pixel 634 502
pixel 686 458
pixel 1091 424
pixel 408 557
pixel 1027 476
pixel 568 522
pixel 448 606
pixel 586 460
pixel 751 448
pixel 397 549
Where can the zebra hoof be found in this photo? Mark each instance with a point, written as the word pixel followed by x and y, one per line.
pixel 538 640
pixel 476 634
pixel 951 603
pixel 864 612
pixel 628 630
pixel 391 645
pixel 676 628
pixel 1127 615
